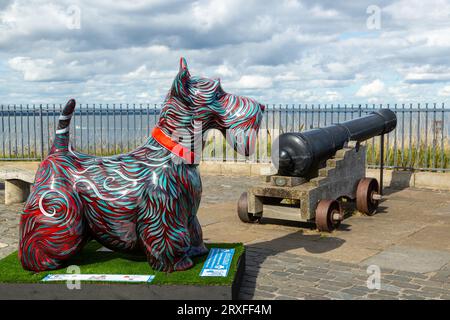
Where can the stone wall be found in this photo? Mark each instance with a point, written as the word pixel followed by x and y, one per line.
pixel 400 179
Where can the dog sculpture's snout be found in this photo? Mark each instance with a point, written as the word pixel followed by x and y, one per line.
pixel 263 107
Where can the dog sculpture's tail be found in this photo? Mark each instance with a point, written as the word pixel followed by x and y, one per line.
pixel 61 142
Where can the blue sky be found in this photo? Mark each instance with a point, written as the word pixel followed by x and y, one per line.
pixel 287 51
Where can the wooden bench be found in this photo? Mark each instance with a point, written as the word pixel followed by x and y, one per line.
pixel 17 183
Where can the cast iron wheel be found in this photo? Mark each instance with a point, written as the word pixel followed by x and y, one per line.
pixel 242 209
pixel 328 215
pixel 365 196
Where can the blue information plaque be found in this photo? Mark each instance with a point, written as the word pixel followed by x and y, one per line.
pixel 218 263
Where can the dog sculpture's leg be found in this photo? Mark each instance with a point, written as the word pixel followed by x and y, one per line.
pixel 198 248
pixel 163 231
pixel 51 227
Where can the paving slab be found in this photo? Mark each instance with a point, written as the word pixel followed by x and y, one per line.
pixel 405 258
pixel 426 238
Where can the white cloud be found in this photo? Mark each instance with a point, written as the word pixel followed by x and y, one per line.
pixel 287 76
pixel 426 73
pixel 33 70
pixel 254 82
pixel 371 89
pixel 62 69
pixel 300 94
pixel 444 91
pixel 139 73
pixel 332 96
pixel 292 4
pixel 224 71
pixel 207 14
pixel 418 10
pixel 320 12
pixel 291 51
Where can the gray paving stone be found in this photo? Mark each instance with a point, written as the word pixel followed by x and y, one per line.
pixel 328 287
pixel 411 297
pixel 390 288
pixel 439 291
pixel 291 293
pixel 428 283
pixel 285 298
pixel 270 289
pixel 341 268
pixel 389 292
pixel 344 264
pixel 341 284
pixel 296 271
pixel 340 295
pixel 312 274
pixel 410 259
pixel 299 281
pixel 355 292
pixel 316 297
pixel 312 290
pixel 405 285
pixel 267 295
pixel 307 278
pixel 268 269
pixel 376 296
pixel 314 261
pixel 395 277
pixel 268 283
pixel 279 274
pixel 362 278
pixel 315 269
pixel 410 274
pixel 361 288
pixel 289 260
pixel 426 294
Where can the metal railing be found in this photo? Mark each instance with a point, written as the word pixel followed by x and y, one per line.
pixel 420 141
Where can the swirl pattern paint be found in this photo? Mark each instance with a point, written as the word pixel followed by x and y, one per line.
pixel 145 201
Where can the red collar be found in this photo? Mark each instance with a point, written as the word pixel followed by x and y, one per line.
pixel 173 146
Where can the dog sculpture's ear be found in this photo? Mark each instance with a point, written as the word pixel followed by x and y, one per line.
pixel 183 64
pixel 180 84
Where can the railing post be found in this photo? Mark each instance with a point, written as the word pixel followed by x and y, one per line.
pixel 381 163
pixel 41 121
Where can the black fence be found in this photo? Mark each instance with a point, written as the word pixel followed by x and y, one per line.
pixel 420 141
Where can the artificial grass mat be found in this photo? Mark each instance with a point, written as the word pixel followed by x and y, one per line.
pixel 92 261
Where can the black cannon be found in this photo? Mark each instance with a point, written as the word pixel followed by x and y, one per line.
pixel 300 154
pixel 318 168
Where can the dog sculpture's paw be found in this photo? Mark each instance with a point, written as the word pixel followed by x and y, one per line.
pixel 198 251
pixel 183 264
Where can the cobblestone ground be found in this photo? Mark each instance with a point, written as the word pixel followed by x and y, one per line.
pixel 272 275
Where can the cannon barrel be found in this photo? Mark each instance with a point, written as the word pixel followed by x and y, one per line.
pixel 301 153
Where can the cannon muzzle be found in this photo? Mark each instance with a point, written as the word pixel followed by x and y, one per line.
pixel 301 153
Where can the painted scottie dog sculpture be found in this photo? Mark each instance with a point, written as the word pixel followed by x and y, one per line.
pixel 145 200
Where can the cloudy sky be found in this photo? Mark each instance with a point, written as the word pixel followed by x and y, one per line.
pixel 288 51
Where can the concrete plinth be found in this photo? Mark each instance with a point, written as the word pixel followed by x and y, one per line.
pixel 115 291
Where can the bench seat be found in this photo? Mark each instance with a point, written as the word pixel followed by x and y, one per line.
pixel 17 183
